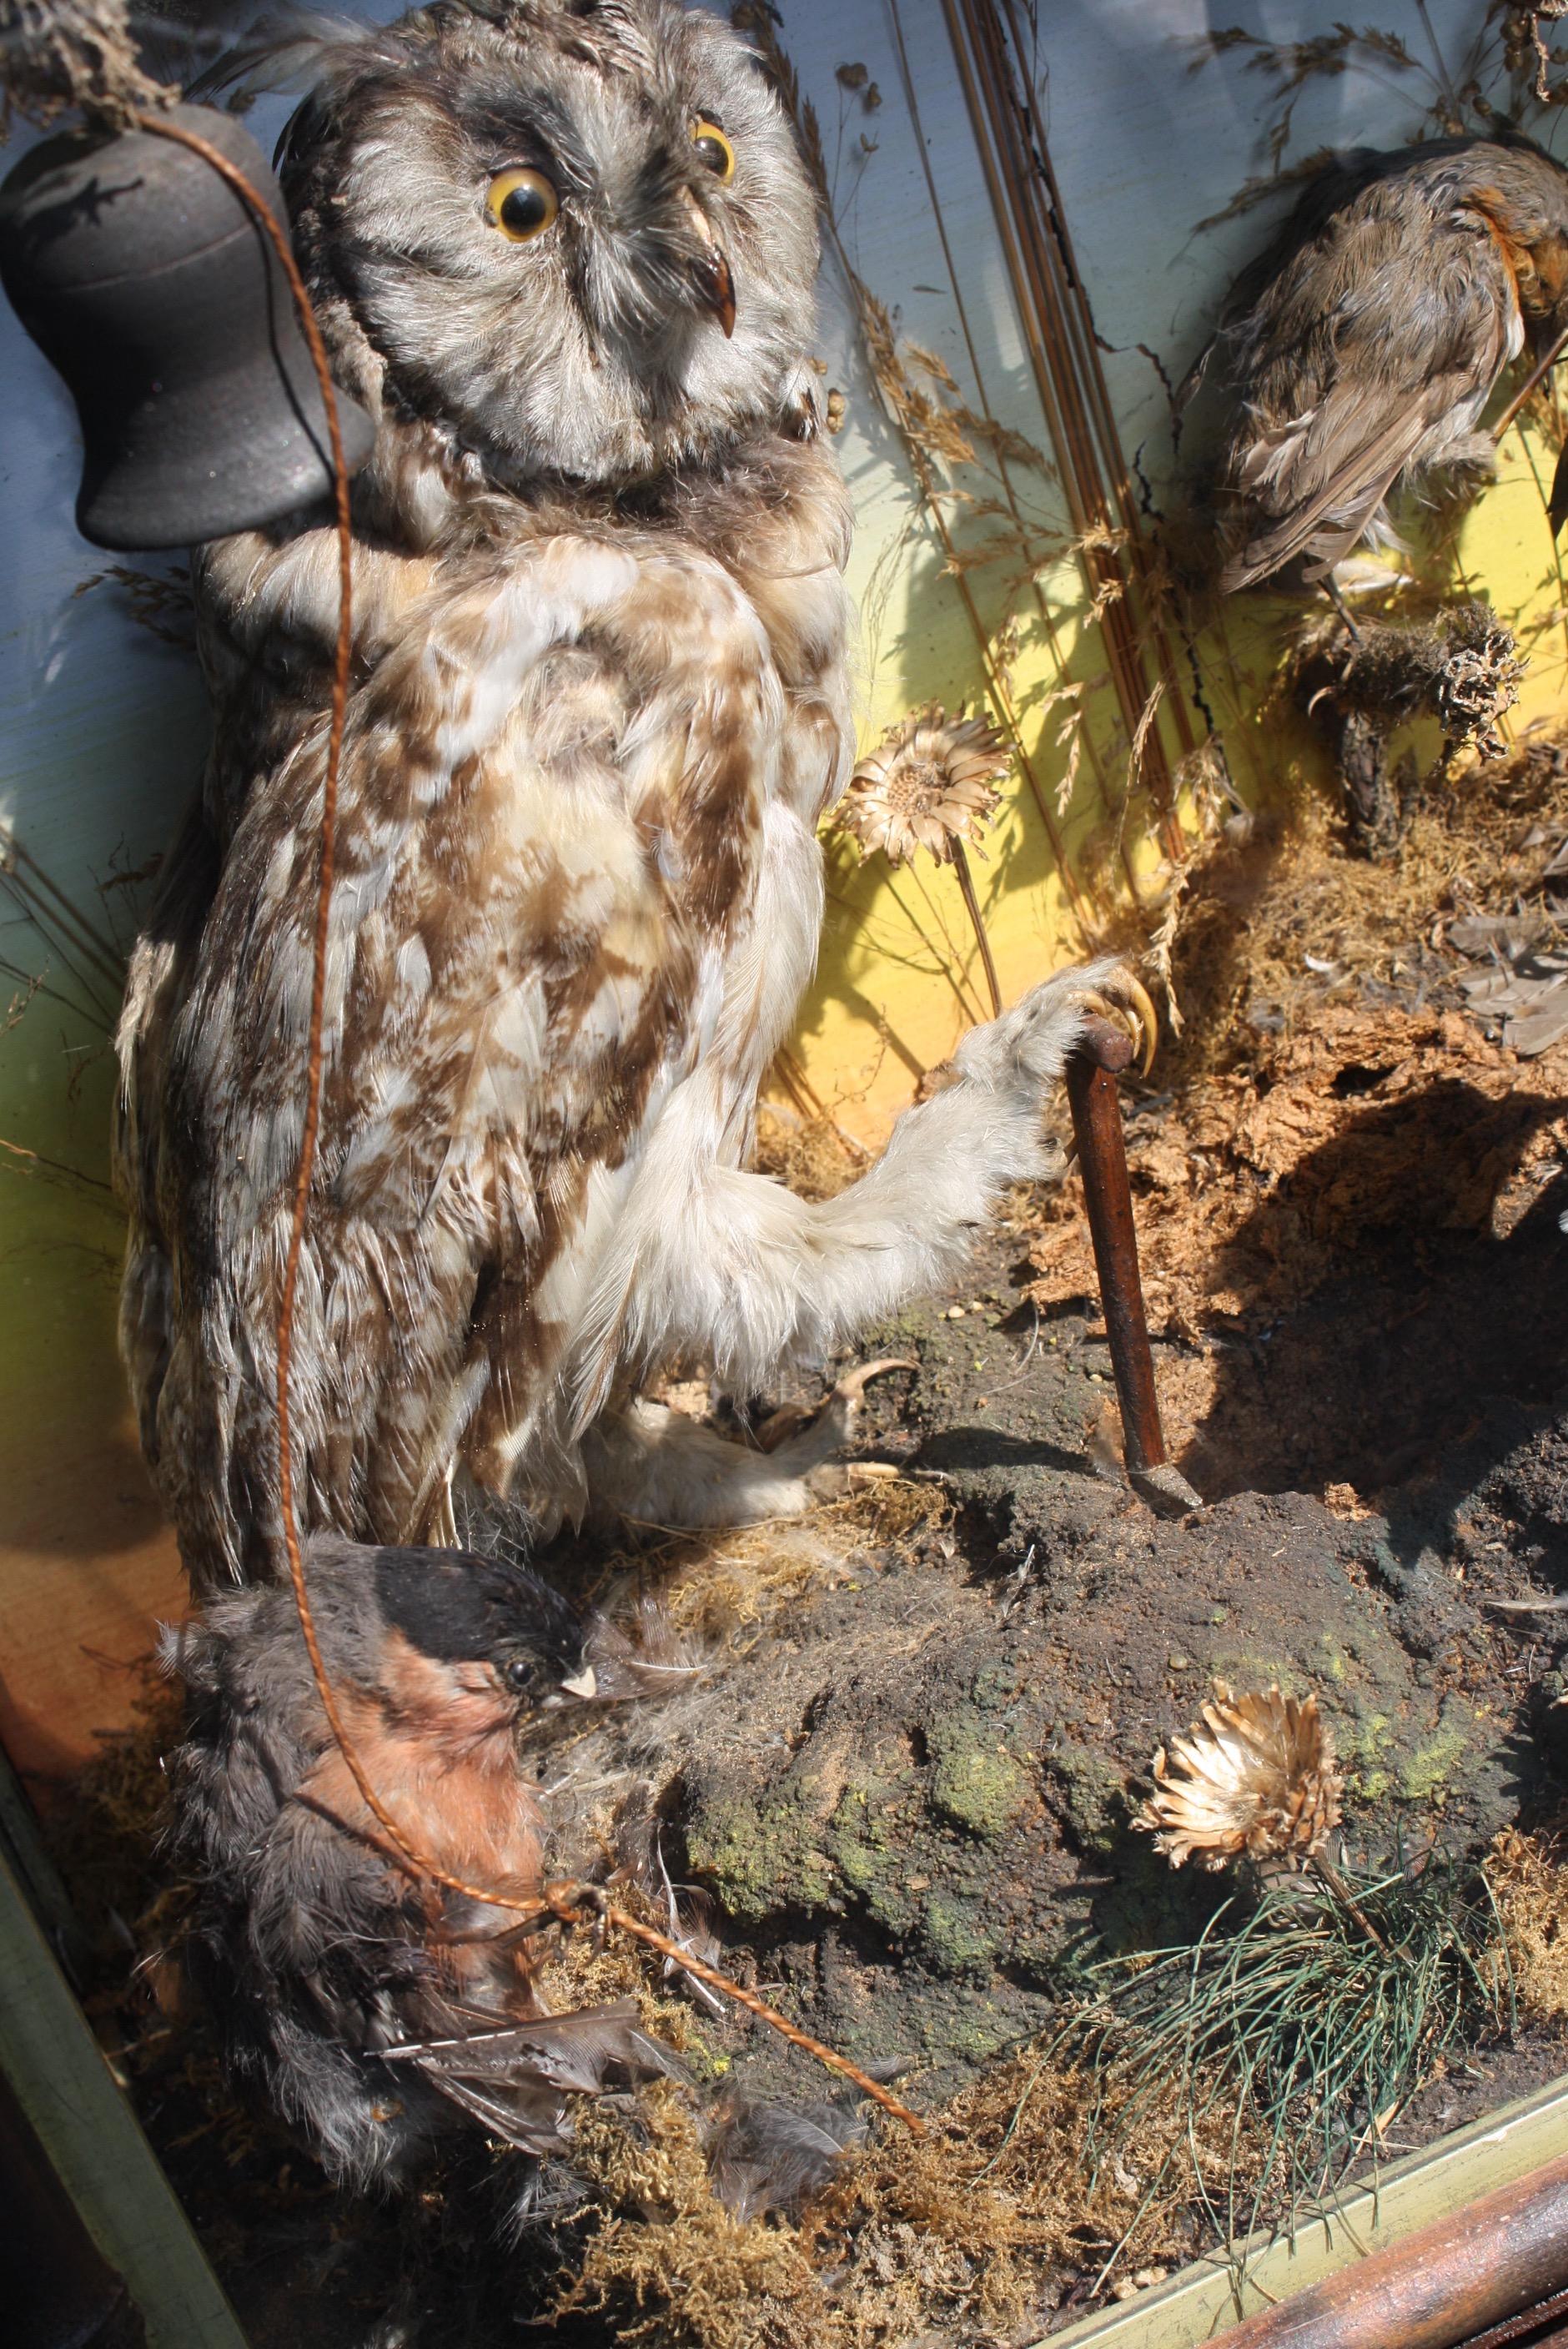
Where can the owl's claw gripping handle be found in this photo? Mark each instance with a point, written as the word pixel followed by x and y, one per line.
pixel 1091 1073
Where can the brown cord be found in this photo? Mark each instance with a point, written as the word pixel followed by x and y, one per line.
pixel 265 220
pixel 569 1903
pixel 562 1899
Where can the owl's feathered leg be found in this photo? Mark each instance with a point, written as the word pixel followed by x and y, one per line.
pixel 710 1260
pixel 658 1467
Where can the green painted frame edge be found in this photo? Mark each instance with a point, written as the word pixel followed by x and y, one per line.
pixel 1204 2300
pixel 93 2138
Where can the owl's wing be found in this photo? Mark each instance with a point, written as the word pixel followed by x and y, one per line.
pixel 1341 397
pixel 550 813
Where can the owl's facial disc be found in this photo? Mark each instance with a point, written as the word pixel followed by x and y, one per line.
pixel 535 216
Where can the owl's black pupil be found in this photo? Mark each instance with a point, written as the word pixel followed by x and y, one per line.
pixel 524 208
pixel 711 151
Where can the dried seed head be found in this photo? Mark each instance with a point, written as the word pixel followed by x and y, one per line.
pixel 930 782
pixel 1256 1775
pixel 59 53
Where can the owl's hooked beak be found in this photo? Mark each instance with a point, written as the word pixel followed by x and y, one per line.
pixel 710 271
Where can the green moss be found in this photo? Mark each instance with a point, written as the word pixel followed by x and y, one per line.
pixel 1426 1770
pixel 978 1787
pixel 1245 1670
pixel 995 1687
pixel 913 1324
pixel 869 1854
pixel 760 1856
pixel 955 1936
pixel 1093 1797
pixel 1364 1750
pixel 974 2031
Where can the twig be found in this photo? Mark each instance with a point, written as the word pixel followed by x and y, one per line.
pixel 1330 1875
pixel 1538 373
pixel 56 1167
pixel 966 883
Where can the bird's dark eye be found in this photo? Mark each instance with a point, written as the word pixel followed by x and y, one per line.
pixel 521 203
pixel 713 149
pixel 519 1674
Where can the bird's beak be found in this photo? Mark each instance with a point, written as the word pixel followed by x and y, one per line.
pixel 582 1684
pixel 710 273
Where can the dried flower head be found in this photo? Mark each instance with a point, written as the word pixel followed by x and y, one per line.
pixel 1256 1775
pixel 59 53
pixel 930 782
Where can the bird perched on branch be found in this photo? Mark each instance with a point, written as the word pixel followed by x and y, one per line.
pixel 1360 349
pixel 371 2008
pixel 564 251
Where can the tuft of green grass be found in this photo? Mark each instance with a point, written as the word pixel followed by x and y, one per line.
pixel 1313 2017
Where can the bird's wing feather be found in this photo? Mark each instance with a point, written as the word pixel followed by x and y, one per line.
pixel 766 2156
pixel 583 2052
pixel 514 2078
pixel 532 2119
pixel 1354 483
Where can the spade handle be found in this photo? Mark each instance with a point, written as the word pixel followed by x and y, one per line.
pixel 1091 1072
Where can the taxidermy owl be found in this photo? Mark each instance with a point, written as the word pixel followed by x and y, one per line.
pixel 1362 346
pixel 564 251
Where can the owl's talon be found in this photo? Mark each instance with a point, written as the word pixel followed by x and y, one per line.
pixel 1136 1016
pixel 850 1388
pixel 829 1429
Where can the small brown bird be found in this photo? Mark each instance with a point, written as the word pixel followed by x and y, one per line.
pixel 319 1956
pixel 1362 346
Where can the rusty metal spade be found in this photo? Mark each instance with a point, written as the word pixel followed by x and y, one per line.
pixel 1092 1094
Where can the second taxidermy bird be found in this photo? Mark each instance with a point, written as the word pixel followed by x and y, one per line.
pixel 373 2011
pixel 564 251
pixel 378 2013
pixel 1362 346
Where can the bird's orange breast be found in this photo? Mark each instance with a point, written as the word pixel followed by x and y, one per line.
pixel 1537 267
pixel 1551 258
pixel 465 1807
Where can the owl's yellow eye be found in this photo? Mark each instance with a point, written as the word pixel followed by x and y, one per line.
pixel 520 203
pixel 713 149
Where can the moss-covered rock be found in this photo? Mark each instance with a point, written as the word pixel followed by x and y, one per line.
pixel 939 1777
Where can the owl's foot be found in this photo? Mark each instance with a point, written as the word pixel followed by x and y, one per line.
pixel 831 1423
pixel 1127 1003
pixel 753 1276
pixel 1038 1033
pixel 655 1466
pixel 809 1454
